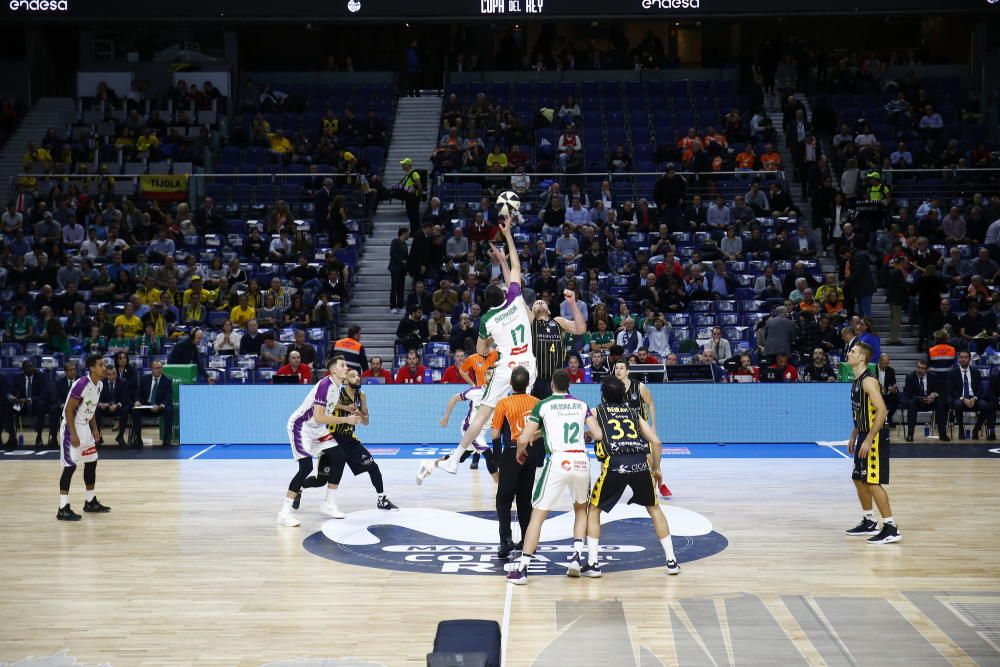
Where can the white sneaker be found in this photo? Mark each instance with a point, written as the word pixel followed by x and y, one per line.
pixel 449 466
pixel 426 468
pixel 286 519
pixel 331 509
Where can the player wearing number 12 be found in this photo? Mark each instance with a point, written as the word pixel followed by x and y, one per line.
pixel 563 419
pixel 507 324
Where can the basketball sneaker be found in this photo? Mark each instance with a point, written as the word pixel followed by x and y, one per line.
pixel 591 571
pixel 449 466
pixel 426 468
pixel 331 509
pixel 866 527
pixel 673 567
pixel 518 577
pixel 286 519
pixel 67 514
pixel 573 569
pixel 887 535
pixel 385 504
pixel 95 506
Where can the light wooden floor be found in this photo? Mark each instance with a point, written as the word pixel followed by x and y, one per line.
pixel 190 569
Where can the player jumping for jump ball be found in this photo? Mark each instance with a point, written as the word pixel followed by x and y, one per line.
pixel 507 323
pixel 79 434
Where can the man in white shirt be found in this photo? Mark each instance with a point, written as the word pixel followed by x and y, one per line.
pixel 281 247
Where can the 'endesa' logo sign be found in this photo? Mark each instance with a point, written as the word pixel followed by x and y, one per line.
pixel 671 4
pixel 39 5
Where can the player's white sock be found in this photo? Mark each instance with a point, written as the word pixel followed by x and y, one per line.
pixel 592 547
pixel 91 494
pixel 331 495
pixel 668 548
pixel 63 501
pixel 455 456
pixel 288 505
pixel 525 561
pixel 577 547
pixel 870 515
pixel 888 520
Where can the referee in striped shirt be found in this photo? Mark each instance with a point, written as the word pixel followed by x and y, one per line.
pixel 547 335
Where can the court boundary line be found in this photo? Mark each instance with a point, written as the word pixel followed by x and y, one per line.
pixel 210 447
pixel 833 448
pixel 505 625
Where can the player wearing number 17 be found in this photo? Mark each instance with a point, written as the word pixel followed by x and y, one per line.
pixel 507 324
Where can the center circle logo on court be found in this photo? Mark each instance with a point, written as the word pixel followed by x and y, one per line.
pixel 435 541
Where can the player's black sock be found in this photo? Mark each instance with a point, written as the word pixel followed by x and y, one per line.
pixel 376 476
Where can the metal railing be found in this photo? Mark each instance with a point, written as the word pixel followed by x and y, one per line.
pixel 625 186
pixel 947 184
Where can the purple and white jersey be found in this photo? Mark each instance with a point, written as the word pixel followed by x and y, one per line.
pixel 474 395
pixel 323 394
pixel 89 395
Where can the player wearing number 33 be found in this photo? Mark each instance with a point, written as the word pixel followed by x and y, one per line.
pixel 630 457
pixel 507 324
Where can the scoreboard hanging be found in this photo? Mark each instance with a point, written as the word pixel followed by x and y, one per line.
pixel 444 10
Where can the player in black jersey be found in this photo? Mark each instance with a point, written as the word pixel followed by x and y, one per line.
pixel 550 350
pixel 349 451
pixel 637 397
pixel 630 457
pixel 869 443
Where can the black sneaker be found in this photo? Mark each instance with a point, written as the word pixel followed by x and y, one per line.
pixel 386 504
pixel 887 535
pixel 866 527
pixel 503 553
pixel 573 568
pixel 297 501
pixel 591 571
pixel 95 506
pixel 673 567
pixel 67 514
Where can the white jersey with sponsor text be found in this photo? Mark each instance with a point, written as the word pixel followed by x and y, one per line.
pixel 509 326
pixel 562 418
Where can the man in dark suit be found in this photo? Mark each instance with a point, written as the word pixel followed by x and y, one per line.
pixel 29 395
pixel 398 253
pixel 890 392
pixel 917 396
pixel 965 392
pixel 60 390
pixel 114 403
pixel 155 390
pixel 208 219
pixel 186 351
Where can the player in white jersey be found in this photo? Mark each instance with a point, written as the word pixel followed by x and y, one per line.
pixel 474 395
pixel 563 419
pixel 78 434
pixel 307 432
pixel 507 324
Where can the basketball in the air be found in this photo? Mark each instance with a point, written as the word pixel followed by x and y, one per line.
pixel 508 202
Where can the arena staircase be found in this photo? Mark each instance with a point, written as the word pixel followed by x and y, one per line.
pixel 57 112
pixel 415 134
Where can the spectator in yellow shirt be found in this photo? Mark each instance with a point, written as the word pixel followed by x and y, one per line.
pixel 147 141
pixel 497 156
pixel 35 154
pixel 130 324
pixel 147 293
pixel 280 145
pixel 244 312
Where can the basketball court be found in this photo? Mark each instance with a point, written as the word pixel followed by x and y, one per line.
pixel 190 569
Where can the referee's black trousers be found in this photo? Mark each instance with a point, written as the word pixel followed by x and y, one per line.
pixel 542 388
pixel 516 484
